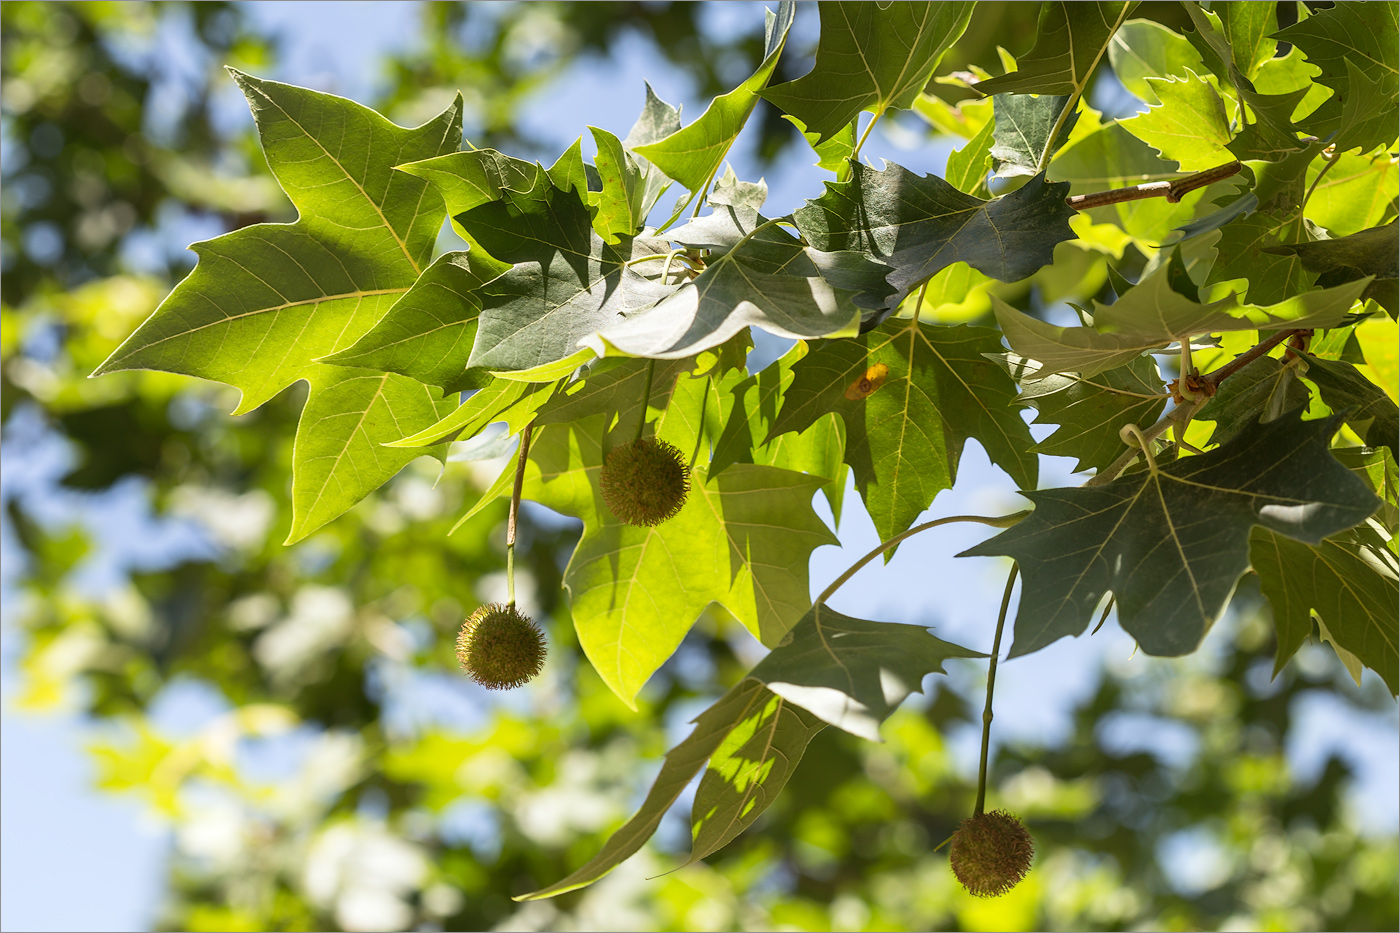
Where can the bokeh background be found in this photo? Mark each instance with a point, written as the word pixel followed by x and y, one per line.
pixel 206 730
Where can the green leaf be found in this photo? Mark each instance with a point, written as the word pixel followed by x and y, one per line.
pixel 832 154
pixel 506 400
pixel 565 282
pixel 634 592
pixel 1351 41
pixel 1023 124
pixel 1373 252
pixel 1368 410
pixel 1171 543
pixel 682 764
pixel 1356 192
pixel 1249 25
pixel 657 121
pixel 339 453
pixel 852 673
pixel 1070 40
pixel 1113 158
pixel 693 155
pixel 470 179
pixel 968 167
pixel 1090 410
pixel 1142 49
pixel 265 301
pixel 622 203
pixel 1151 315
pixel 870 57
pixel 1189 126
pixel 1347 580
pixel 910 395
pixel 919 224
pixel 818 450
pixel 428 333
pixel 1245 252
pixel 613 388
pixel 748 770
pixel 1261 391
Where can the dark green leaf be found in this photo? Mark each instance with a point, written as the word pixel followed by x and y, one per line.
pixel 853 673
pixel 1345 259
pixel 1171 543
pixel 910 395
pixel 919 224
pixel 1023 124
pixel 1263 390
pixel 1347 580
pixel 1367 409
pixel 870 57
pixel 1070 40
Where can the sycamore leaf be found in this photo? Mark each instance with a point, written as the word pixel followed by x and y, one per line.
pixel 870 57
pixel 1372 252
pixel 919 224
pixel 682 764
pixel 1090 410
pixel 743 540
pixel 1189 126
pixel 853 673
pixel 658 120
pixel 1023 124
pixel 339 453
pixel 1070 40
pixel 1355 193
pixel 968 167
pixel 1245 252
pixel 748 770
pixel 1367 409
pixel 428 333
pixel 506 400
pixel 818 450
pixel 1142 48
pixel 1347 580
pixel 565 282
pixel 910 395
pixel 265 301
pixel 1353 44
pixel 1171 543
pixel 466 180
pixel 614 388
pixel 693 155
pixel 1261 391
pixel 1249 27
pixel 1152 315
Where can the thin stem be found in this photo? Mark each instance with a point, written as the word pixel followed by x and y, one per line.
pixel 1311 188
pixel 1181 414
pixel 514 518
pixel 996 521
pixel 646 400
pixel 1173 191
pixel 875 118
pixel 704 193
pixel 991 686
pixel 700 427
pixel 919 303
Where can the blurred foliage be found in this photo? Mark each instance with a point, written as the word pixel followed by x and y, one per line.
pixel 347 776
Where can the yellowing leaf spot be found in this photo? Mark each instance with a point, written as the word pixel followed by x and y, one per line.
pixel 865 386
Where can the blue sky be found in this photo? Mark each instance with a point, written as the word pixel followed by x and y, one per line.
pixel 57 830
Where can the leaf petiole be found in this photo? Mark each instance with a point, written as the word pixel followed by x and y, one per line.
pixel 512 521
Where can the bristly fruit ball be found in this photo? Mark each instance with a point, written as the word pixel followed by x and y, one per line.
pixel 991 853
pixel 500 647
pixel 645 483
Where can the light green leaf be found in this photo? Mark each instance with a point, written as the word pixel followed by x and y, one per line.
pixel 428 333
pixel 339 453
pixel 682 764
pixel 1151 315
pixel 622 203
pixel 267 300
pixel 1356 192
pixel 470 179
pixel 634 592
pixel 1347 580
pixel 1249 25
pixel 748 770
pixel 870 57
pixel 833 154
pixel 513 402
pixel 1189 126
pixel 1242 256
pixel 1171 543
pixel 853 673
pixel 910 395
pixel 968 167
pixel 1142 49
pixel 693 155
pixel 1113 158
pixel 1070 40
pixel 614 389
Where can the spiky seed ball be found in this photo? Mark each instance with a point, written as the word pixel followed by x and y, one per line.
pixel 644 483
pixel 500 647
pixel 991 853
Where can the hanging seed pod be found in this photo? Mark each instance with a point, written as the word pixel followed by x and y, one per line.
pixel 645 482
pixel 991 853
pixel 499 647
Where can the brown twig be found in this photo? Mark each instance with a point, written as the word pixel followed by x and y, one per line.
pixel 1215 377
pixel 1173 191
